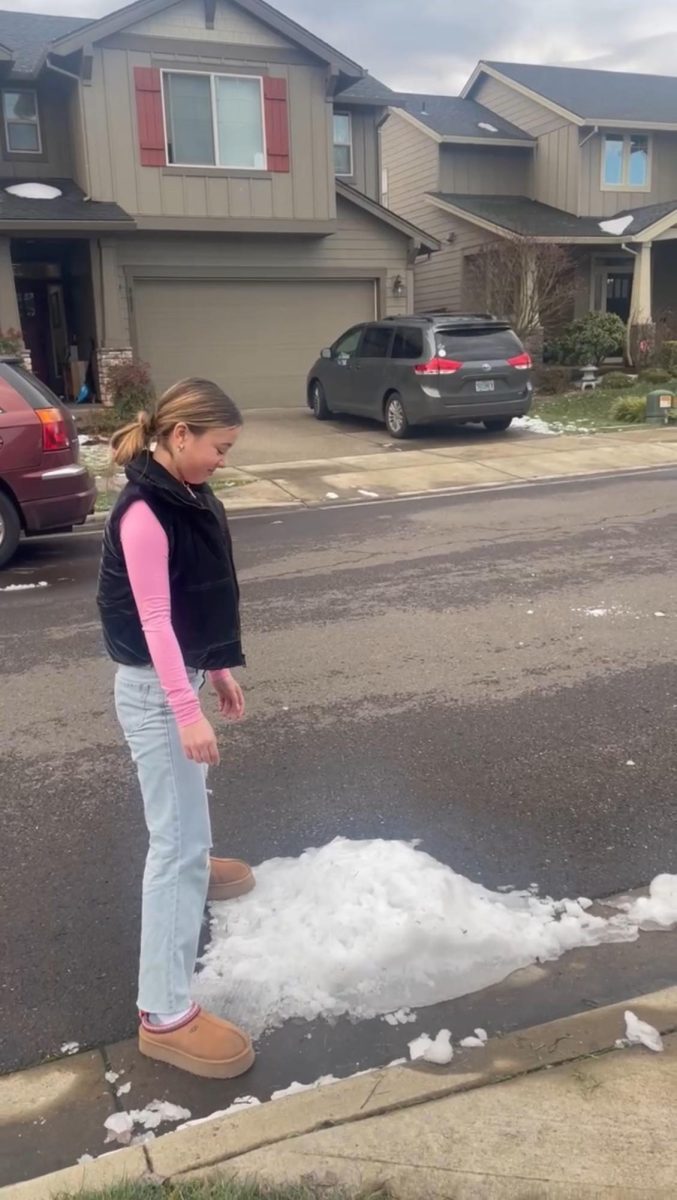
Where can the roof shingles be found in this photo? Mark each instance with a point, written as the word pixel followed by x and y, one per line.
pixel 452 116
pixel 71 205
pixel 598 95
pixel 29 36
pixel 531 219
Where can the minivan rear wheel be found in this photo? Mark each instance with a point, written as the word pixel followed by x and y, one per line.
pixel 395 417
pixel 497 424
pixel 318 401
pixel 10 529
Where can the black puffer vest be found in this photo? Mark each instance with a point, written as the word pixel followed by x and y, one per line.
pixel 203 585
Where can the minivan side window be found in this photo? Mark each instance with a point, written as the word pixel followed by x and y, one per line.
pixel 376 341
pixel 408 343
pixel 346 346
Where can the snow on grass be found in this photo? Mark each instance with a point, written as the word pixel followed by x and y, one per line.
pixel 535 425
pixel 364 928
pixel 640 1033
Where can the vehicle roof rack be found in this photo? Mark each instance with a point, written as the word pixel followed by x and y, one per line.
pixel 452 317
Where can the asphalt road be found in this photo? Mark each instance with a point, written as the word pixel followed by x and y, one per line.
pixel 427 669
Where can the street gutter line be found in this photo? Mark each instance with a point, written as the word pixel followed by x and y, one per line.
pixel 301 506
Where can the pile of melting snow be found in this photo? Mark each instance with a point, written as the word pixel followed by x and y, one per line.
pixel 366 928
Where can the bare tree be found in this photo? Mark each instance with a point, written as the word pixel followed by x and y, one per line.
pixel 529 283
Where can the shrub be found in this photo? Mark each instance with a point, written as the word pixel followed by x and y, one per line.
pixel 616 381
pixel 630 410
pixel 130 388
pixel 667 357
pixel 11 341
pixel 552 380
pixel 590 339
pixel 655 376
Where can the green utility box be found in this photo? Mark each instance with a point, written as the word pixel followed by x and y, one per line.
pixel 659 405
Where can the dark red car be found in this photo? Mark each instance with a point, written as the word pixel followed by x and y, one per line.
pixel 43 487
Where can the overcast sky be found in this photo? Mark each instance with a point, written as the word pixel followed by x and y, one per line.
pixel 433 45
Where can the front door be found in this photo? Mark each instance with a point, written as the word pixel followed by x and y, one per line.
pixel 618 293
pixel 43 325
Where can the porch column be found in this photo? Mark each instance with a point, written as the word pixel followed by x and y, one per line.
pixel 113 321
pixel 641 329
pixel 529 303
pixel 9 305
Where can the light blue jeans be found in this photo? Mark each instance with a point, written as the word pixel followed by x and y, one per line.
pixel 176 877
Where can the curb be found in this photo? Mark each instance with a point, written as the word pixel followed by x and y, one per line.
pixel 216 1142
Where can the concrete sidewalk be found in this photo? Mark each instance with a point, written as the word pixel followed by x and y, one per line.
pixel 555 1111
pixel 286 459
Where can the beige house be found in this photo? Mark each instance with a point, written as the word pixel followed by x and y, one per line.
pixel 582 158
pixel 198 186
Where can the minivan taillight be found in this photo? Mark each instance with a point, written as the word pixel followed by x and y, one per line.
pixel 521 361
pixel 438 366
pixel 54 429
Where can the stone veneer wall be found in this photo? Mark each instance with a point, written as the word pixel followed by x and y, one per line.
pixel 106 360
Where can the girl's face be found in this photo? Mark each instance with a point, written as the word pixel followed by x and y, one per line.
pixel 198 455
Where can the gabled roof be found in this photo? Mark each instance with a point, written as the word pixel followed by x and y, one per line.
pixel 592 97
pixel 138 11
pixel 28 36
pixel 521 217
pixel 454 118
pixel 425 243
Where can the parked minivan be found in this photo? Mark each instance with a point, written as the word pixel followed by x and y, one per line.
pixel 43 486
pixel 408 371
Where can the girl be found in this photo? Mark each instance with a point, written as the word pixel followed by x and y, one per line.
pixel 169 604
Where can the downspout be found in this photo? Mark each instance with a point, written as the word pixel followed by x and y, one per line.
pixel 83 133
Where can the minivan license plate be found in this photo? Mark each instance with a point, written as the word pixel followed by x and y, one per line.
pixel 484 385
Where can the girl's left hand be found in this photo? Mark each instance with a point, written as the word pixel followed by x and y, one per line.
pixel 231 698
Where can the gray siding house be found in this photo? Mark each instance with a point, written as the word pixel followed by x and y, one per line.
pixel 199 188
pixel 582 158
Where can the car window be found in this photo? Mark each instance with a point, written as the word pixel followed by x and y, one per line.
pixel 29 387
pixel 479 343
pixel 408 343
pixel 346 346
pixel 376 341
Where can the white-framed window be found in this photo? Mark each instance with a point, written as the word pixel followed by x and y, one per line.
pixel 22 121
pixel 626 162
pixel 214 120
pixel 343 144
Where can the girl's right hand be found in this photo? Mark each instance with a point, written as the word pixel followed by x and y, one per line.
pixel 199 742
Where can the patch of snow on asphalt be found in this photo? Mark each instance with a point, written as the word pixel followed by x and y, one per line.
pixel 69 1048
pixel 364 928
pixel 438 1050
pixel 535 425
pixel 120 1125
pixel 24 587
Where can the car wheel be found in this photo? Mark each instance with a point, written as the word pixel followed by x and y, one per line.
pixel 318 401
pixel 10 529
pixel 395 417
pixel 497 424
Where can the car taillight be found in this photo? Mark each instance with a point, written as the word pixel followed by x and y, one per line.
pixel 438 366
pixel 54 429
pixel 521 361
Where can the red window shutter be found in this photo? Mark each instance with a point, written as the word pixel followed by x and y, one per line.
pixel 148 86
pixel 277 123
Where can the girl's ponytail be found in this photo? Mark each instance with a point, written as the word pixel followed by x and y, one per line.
pixel 133 439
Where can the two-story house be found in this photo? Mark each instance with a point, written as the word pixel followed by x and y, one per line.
pixel 581 158
pixel 194 183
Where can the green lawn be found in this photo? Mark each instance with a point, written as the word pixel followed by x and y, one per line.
pixel 225 1189
pixel 588 410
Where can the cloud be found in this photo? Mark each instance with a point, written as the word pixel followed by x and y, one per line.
pixel 429 45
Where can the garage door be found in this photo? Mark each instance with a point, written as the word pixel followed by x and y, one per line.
pixel 257 340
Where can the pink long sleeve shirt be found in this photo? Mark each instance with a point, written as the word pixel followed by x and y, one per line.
pixel 146 551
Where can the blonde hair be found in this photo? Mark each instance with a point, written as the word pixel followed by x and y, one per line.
pixel 196 403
